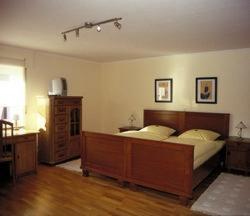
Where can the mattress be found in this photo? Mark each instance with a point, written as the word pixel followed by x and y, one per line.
pixel 143 135
pixel 203 149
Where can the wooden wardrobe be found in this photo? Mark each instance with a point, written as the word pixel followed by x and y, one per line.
pixel 63 135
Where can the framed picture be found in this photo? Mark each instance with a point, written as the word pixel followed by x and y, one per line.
pixel 206 90
pixel 163 90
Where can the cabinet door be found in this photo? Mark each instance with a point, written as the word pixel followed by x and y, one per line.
pixel 74 148
pixel 75 120
pixel 75 129
pixel 237 160
pixel 248 159
pixel 25 157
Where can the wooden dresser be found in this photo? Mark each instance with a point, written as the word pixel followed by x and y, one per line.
pixel 62 139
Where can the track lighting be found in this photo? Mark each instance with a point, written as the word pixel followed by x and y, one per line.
pixel 98 28
pixel 117 25
pixel 90 25
pixel 77 32
pixel 64 37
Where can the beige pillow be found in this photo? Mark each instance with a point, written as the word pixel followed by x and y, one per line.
pixel 200 134
pixel 158 129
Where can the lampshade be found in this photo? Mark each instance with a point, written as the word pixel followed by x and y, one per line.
pixel 15 117
pixel 241 125
pixel 131 119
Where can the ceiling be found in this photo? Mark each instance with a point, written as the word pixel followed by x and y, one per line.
pixel 149 27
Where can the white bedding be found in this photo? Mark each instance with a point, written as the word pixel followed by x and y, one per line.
pixel 143 135
pixel 200 146
pixel 203 149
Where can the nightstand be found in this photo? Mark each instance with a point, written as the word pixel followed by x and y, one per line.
pixel 238 154
pixel 129 128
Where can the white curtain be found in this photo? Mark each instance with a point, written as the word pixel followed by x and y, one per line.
pixel 12 90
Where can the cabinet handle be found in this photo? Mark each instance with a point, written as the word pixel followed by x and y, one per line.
pixel 18 156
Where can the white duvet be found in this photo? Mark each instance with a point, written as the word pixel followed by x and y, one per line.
pixel 143 135
pixel 203 149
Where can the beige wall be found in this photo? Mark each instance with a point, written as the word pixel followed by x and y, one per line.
pixel 83 79
pixel 113 91
pixel 128 86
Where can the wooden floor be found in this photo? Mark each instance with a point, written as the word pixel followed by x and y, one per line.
pixel 55 191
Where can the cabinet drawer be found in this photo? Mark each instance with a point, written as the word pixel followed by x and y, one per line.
pixel 25 138
pixel 60 109
pixel 60 128
pixel 60 137
pixel 60 155
pixel 60 119
pixel 238 146
pixel 74 102
pixel 61 145
pixel 59 102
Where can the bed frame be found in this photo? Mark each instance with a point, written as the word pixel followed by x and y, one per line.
pixel 159 165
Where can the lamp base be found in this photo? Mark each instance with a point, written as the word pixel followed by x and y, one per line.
pixel 240 133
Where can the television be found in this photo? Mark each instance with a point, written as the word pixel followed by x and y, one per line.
pixel 58 86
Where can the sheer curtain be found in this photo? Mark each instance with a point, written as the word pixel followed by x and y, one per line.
pixel 12 92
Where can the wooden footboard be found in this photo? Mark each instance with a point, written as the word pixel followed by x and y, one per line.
pixel 104 154
pixel 159 165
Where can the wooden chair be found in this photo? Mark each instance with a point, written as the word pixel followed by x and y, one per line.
pixel 7 147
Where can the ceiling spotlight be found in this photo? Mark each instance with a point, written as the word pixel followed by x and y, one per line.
pixel 98 28
pixel 117 25
pixel 64 37
pixel 88 25
pixel 77 32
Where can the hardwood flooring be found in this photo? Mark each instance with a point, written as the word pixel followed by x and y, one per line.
pixel 55 191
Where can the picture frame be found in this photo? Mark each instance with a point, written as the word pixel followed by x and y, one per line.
pixel 206 90
pixel 164 90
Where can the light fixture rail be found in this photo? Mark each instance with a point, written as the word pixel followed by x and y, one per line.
pixel 91 25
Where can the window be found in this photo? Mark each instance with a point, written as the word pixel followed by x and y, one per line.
pixel 12 93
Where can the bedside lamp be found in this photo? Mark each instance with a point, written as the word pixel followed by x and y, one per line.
pixel 131 119
pixel 16 118
pixel 240 126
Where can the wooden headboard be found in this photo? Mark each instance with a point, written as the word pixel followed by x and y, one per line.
pixel 182 121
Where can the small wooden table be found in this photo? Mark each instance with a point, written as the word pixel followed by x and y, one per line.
pixel 26 143
pixel 129 128
pixel 238 154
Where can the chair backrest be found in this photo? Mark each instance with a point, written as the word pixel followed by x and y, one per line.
pixel 6 139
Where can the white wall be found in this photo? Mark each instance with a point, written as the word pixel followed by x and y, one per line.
pixel 82 76
pixel 128 86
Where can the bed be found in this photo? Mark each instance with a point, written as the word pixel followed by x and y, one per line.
pixel 160 165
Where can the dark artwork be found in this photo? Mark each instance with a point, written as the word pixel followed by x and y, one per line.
pixel 206 90
pixel 206 93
